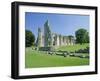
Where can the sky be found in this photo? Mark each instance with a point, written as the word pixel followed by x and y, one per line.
pixel 64 24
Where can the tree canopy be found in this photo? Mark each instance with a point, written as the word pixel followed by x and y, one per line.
pixel 82 36
pixel 29 38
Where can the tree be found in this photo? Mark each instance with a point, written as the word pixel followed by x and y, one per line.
pixel 87 37
pixel 82 36
pixel 29 38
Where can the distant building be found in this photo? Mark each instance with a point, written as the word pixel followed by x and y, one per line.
pixel 48 38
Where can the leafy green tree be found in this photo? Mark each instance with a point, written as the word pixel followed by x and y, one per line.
pixel 87 37
pixel 82 36
pixel 29 38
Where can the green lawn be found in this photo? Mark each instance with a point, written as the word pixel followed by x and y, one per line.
pixel 42 59
pixel 72 48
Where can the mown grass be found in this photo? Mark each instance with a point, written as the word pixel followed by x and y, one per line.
pixel 34 59
pixel 73 48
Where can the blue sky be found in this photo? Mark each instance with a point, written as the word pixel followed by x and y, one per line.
pixel 64 24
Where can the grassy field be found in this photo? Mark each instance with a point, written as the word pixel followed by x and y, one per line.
pixel 72 48
pixel 35 58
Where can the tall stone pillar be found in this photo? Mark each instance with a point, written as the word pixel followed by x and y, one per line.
pixel 68 41
pixel 39 38
pixel 57 40
pixel 47 35
pixel 64 40
pixel 61 40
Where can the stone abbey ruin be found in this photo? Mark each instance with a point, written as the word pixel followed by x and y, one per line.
pixel 50 39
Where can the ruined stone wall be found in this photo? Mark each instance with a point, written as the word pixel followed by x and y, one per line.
pixel 48 39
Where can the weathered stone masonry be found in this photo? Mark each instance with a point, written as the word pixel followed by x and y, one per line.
pixel 48 38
